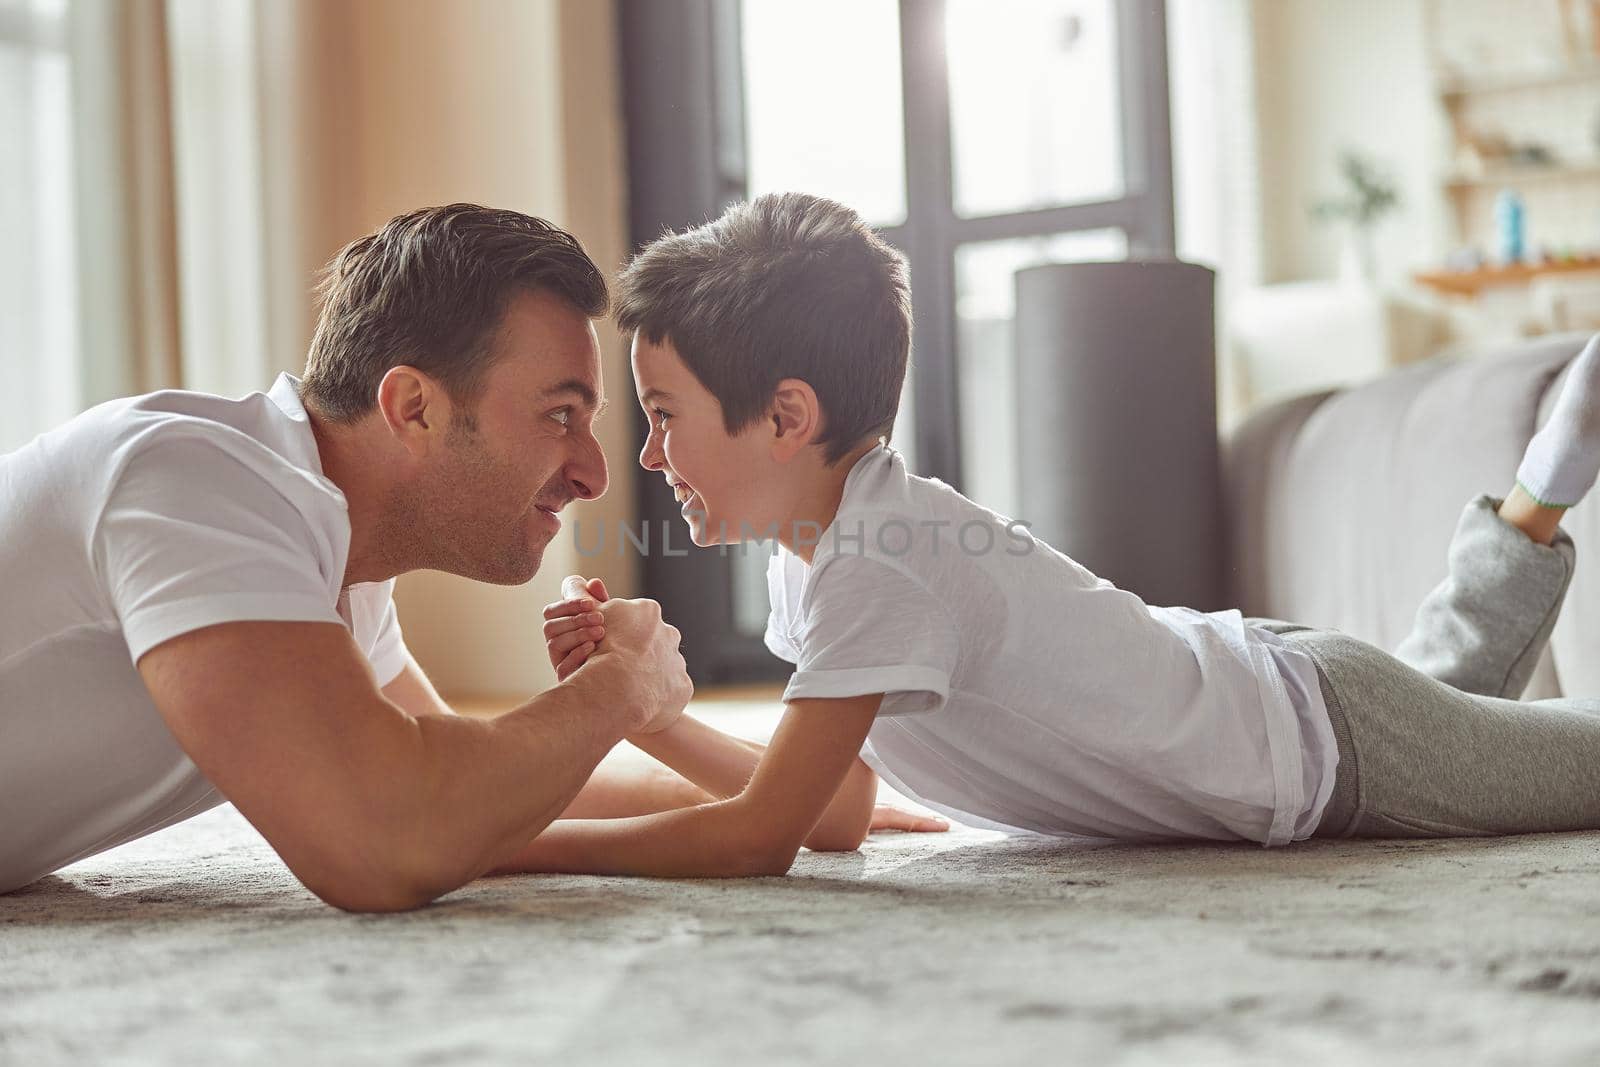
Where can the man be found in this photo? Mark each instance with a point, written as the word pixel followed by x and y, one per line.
pixel 197 590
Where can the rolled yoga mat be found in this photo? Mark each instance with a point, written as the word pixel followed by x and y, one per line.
pixel 1116 388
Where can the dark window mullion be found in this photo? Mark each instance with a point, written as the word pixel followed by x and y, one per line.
pixel 727 58
pixel 1146 123
pixel 930 245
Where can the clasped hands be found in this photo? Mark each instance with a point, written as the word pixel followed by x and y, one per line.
pixel 587 624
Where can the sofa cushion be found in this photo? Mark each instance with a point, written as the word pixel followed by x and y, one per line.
pixel 1340 505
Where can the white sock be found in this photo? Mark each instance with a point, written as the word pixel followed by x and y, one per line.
pixel 1563 459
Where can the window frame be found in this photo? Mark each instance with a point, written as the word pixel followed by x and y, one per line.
pixel 683 98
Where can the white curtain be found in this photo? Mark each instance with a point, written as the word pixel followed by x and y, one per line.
pixel 1216 167
pixel 88 297
pixel 38 289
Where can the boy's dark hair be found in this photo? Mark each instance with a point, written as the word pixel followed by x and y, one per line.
pixel 429 290
pixel 786 286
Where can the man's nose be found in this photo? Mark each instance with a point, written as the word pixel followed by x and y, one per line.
pixel 587 470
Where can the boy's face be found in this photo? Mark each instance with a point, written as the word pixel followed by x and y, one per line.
pixel 724 484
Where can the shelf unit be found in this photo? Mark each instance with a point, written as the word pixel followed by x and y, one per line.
pixel 1513 74
pixel 1453 87
pixel 1474 282
pixel 1518 174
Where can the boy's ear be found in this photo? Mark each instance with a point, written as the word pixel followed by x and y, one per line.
pixel 795 417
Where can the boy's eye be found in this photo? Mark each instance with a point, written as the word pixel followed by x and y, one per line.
pixel 662 417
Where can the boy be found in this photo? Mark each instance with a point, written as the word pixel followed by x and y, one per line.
pixel 995 679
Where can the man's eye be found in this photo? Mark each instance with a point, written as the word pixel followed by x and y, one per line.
pixel 563 416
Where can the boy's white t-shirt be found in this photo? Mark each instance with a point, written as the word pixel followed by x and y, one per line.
pixel 140 520
pixel 1024 693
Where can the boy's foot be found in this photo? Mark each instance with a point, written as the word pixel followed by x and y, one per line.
pixel 1563 459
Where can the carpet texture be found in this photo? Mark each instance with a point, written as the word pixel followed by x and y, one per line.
pixel 196 946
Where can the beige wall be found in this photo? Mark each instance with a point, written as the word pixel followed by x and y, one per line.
pixel 374 107
pixel 1352 73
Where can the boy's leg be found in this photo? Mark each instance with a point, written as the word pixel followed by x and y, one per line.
pixel 1421 759
pixel 1484 627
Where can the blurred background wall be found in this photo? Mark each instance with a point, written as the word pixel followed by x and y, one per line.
pixel 173 173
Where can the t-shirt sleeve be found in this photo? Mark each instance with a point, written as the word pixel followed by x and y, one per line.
pixel 867 628
pixel 776 637
pixel 388 654
pixel 193 535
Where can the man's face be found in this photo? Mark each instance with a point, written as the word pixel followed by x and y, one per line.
pixel 723 483
pixel 524 451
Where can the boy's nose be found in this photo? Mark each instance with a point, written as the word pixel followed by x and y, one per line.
pixel 650 457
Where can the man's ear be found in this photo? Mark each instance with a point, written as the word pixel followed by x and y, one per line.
pixel 414 408
pixel 795 416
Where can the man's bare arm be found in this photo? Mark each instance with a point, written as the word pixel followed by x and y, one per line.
pixel 617 789
pixel 371 807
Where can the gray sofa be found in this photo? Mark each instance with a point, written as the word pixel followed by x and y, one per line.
pixel 1339 505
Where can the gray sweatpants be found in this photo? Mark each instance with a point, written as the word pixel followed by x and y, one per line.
pixel 1432 740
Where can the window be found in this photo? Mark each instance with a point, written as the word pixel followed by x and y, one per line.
pixel 978 137
pixel 38 291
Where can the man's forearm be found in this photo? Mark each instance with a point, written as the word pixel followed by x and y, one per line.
pixel 483 788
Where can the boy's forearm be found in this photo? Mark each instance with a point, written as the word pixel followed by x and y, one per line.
pixel 714 761
pixel 717 840
pixel 633 786
pixel 722 766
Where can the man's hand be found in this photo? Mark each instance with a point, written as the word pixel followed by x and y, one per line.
pixel 631 641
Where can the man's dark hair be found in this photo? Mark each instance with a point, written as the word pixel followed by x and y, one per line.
pixel 429 290
pixel 786 286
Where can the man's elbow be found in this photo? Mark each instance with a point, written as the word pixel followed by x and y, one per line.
pixel 376 878
pixel 366 894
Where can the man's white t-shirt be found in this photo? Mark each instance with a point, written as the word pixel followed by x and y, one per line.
pixel 140 520
pixel 1024 693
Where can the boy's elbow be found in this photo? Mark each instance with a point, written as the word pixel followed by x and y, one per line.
pixel 768 862
pixel 764 853
pixel 838 838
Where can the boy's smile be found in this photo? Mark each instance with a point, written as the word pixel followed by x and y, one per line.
pixel 768 481
pixel 723 482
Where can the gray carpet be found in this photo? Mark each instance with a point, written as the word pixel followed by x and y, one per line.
pixel 196 946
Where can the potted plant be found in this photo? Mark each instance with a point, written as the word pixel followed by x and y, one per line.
pixel 1368 196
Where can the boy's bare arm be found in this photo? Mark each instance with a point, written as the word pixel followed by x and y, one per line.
pixel 714 761
pixel 723 766
pixel 757 832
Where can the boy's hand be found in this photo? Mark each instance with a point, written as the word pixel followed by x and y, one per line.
pixel 575 626
pixel 889 817
pixel 576 629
